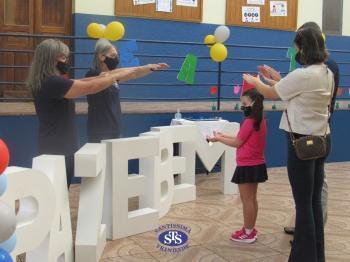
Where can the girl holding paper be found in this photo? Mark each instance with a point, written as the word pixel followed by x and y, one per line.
pixel 251 167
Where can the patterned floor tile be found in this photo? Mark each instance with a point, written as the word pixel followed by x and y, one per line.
pixel 277 241
pixel 213 216
pixel 276 258
pixel 122 247
pixel 233 251
pixel 144 257
pixel 191 254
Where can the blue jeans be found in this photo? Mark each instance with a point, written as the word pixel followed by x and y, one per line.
pixel 306 180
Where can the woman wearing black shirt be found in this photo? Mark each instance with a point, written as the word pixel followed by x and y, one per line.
pixel 104 113
pixel 53 96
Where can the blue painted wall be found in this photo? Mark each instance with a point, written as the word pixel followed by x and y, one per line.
pixel 20 133
pixel 148 29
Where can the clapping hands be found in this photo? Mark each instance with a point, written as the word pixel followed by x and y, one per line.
pixel 252 80
pixel 270 75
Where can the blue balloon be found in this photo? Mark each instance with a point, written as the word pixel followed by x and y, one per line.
pixel 3 183
pixel 4 256
pixel 10 244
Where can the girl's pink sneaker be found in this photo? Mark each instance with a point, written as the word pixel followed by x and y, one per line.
pixel 243 237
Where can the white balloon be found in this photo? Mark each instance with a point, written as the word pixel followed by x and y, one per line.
pixel 8 222
pixel 103 26
pixel 222 33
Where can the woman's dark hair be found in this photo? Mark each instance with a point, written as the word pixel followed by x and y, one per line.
pixel 257 107
pixel 311 25
pixel 312 46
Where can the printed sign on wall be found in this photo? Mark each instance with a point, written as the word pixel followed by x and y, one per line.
pixel 278 8
pixel 164 6
pixel 143 2
pixel 251 14
pixel 255 2
pixel 190 3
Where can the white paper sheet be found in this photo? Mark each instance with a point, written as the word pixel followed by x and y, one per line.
pixel 251 14
pixel 143 2
pixel 207 127
pixel 255 2
pixel 278 8
pixel 191 3
pixel 164 6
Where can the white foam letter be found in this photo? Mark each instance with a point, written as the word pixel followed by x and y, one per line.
pixel 120 186
pixel 90 165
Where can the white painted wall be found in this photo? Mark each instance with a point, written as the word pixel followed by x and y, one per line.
pixel 310 10
pixel 214 11
pixel 99 7
pixel 346 17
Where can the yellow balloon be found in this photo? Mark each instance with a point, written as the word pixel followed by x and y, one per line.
pixel 218 52
pixel 324 37
pixel 209 40
pixel 95 30
pixel 114 31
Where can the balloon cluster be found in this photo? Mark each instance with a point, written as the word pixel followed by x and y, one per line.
pixel 114 31
pixel 218 51
pixel 7 214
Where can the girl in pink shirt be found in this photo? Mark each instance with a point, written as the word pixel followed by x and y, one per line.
pixel 251 168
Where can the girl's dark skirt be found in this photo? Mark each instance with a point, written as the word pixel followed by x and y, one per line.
pixel 250 174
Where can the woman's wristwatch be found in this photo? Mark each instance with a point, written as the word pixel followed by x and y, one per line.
pixel 114 80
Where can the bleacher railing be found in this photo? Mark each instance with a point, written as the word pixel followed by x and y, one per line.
pixel 219 71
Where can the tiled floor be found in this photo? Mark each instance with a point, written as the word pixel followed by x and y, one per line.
pixel 213 216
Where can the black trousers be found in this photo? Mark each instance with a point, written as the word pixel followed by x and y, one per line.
pixel 97 138
pixel 306 180
pixel 69 168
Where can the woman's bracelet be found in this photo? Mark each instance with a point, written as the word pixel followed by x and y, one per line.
pixel 114 80
pixel 109 74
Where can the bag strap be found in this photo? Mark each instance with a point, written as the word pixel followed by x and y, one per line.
pixel 291 134
pixel 330 102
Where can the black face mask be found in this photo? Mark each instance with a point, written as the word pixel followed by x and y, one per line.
pixel 63 68
pixel 112 63
pixel 247 110
pixel 298 58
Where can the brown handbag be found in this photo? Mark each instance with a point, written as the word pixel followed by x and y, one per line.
pixel 310 147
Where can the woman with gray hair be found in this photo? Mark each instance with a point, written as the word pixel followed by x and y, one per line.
pixel 53 96
pixel 104 113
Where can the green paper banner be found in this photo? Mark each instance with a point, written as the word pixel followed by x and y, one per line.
pixel 291 55
pixel 188 69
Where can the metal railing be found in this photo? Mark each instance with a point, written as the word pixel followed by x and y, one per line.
pixel 220 71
